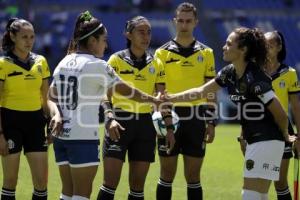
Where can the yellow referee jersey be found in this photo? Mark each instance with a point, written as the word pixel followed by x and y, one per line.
pixel 186 68
pixel 285 82
pixel 22 81
pixel 140 73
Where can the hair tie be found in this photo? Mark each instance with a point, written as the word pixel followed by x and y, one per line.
pixel 86 16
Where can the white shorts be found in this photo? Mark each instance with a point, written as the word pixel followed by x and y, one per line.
pixel 263 159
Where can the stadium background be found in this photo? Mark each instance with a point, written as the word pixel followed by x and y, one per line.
pixel 54 21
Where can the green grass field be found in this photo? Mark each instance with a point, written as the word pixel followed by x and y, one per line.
pixel 221 173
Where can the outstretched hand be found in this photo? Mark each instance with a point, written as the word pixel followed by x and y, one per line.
pixel 112 128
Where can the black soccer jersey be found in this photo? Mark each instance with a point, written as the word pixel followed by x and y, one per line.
pixel 251 93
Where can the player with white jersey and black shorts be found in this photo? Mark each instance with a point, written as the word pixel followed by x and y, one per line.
pixel 263 119
pixel 80 81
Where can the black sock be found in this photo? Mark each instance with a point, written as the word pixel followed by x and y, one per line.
pixel 106 193
pixel 194 191
pixel 284 194
pixel 39 194
pixel 136 195
pixel 163 190
pixel 7 194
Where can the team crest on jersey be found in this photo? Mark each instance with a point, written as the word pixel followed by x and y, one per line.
pixel 200 58
pixel 249 164
pixel 11 144
pixel 72 63
pixel 151 70
pixel 282 84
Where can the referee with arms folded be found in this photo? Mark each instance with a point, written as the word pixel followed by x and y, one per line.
pixel 187 64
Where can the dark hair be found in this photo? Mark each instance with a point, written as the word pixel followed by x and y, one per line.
pixel 278 37
pixel 186 7
pixel 131 24
pixel 256 44
pixel 13 26
pixel 86 25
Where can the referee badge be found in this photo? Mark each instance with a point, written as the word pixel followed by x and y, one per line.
pixel 282 84
pixel 200 58
pixel 151 70
pixel 39 67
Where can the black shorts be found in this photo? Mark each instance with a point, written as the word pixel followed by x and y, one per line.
pixel 190 134
pixel 24 129
pixel 138 138
pixel 288 147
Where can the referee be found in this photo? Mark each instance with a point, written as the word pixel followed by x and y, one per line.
pixel 23 88
pixel 187 64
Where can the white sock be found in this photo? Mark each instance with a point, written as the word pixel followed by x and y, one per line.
pixel 264 196
pixel 251 195
pixel 65 197
pixel 76 197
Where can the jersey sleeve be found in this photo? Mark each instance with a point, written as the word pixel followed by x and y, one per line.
pixel 2 71
pixel 108 76
pixel 161 73
pixel 262 88
pixel 45 68
pixel 113 62
pixel 294 84
pixel 210 67
pixel 222 76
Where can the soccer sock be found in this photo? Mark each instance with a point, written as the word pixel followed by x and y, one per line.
pixel 163 190
pixel 39 194
pixel 106 193
pixel 251 195
pixel 135 195
pixel 76 197
pixel 194 191
pixel 64 197
pixel 7 194
pixel 284 194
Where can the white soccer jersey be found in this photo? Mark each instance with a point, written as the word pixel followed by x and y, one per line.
pixel 81 81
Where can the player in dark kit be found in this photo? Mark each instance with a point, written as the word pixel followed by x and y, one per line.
pixel 264 121
pixel 187 64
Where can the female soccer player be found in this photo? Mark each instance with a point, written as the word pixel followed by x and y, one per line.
pixel 286 86
pixel 137 67
pixel 264 121
pixel 24 106
pixel 80 81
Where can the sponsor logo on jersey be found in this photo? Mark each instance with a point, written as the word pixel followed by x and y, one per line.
pixel 140 77
pixel 72 63
pixel 236 97
pixel 187 64
pixel 29 77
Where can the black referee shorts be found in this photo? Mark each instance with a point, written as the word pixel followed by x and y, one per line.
pixel 138 138
pixel 190 134
pixel 24 129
